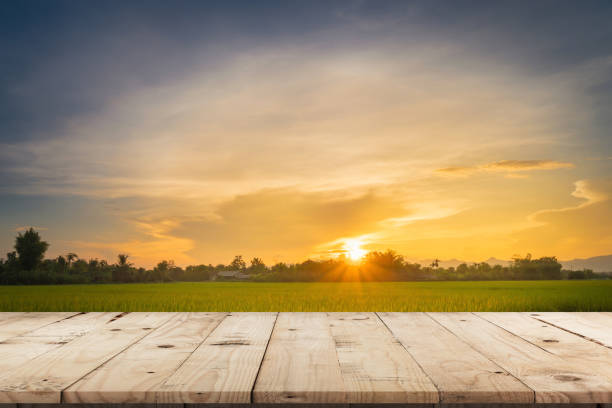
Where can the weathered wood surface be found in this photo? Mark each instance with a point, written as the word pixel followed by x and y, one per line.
pixel 332 359
pixel 553 379
pixel 462 375
pixel 593 326
pixel 135 375
pixel 562 343
pixel 224 368
pixel 42 379
pixel 15 324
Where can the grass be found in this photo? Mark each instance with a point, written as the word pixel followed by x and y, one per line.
pixel 311 297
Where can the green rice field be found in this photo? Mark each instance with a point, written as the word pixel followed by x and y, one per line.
pixel 311 297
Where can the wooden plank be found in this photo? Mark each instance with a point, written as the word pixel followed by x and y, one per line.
pixel 4 316
pixel 42 379
pixel 462 375
pixel 16 351
pixel 300 365
pixel 113 406
pixel 493 405
pixel 593 326
pixel 554 340
pixel 134 375
pixel 16 325
pixel 224 368
pixel 375 367
pixel 603 318
pixel 553 379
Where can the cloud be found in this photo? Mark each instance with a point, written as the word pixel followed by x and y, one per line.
pixel 461 171
pixel 580 230
pixel 277 151
pixel 275 118
pixel 155 244
pixel 285 224
pixel 508 166
pixel 592 192
pixel 27 227
pixel 527 165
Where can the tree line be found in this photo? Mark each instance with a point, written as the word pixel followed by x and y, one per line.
pixel 27 265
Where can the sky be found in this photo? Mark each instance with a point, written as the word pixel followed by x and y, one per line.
pixel 199 130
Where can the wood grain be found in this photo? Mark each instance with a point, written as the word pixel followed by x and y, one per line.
pixel 16 351
pixel 593 326
pixel 301 365
pixel 42 379
pixel 554 340
pixel 224 368
pixel 5 316
pixel 135 375
pixel 18 324
pixel 462 375
pixel 375 367
pixel 553 379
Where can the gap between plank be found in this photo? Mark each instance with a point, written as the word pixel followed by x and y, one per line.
pixel 190 354
pixel 412 357
pixel 115 355
pixel 331 336
pixel 514 334
pixel 251 398
pixel 45 325
pixel 492 361
pixel 571 332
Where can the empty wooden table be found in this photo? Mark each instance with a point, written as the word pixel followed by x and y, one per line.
pixel 306 358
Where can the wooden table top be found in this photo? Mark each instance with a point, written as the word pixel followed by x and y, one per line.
pixel 308 358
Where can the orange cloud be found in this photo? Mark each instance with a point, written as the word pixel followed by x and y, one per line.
pixel 156 243
pixel 27 227
pixel 510 166
pixel 527 165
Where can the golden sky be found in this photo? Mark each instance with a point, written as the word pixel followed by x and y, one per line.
pixel 289 149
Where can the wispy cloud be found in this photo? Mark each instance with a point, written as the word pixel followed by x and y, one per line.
pixel 506 166
pixel 156 242
pixel 580 230
pixel 527 165
pixel 27 227
pixel 591 192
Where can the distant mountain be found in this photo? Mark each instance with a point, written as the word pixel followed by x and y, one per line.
pixel 447 263
pixel 597 263
pixel 495 261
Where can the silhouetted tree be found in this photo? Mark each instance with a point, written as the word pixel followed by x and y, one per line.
pixel 30 249
pixel 376 266
pixel 238 263
pixel 121 272
pixel 71 256
pixel 257 266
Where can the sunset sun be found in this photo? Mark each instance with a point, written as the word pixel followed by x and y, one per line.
pixel 353 249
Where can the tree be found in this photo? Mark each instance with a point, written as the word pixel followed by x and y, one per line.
pixel 161 271
pixel 71 256
pixel 238 263
pixel 122 260
pixel 257 266
pixel 121 272
pixel 30 249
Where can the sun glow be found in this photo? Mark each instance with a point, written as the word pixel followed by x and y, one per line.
pixel 353 250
